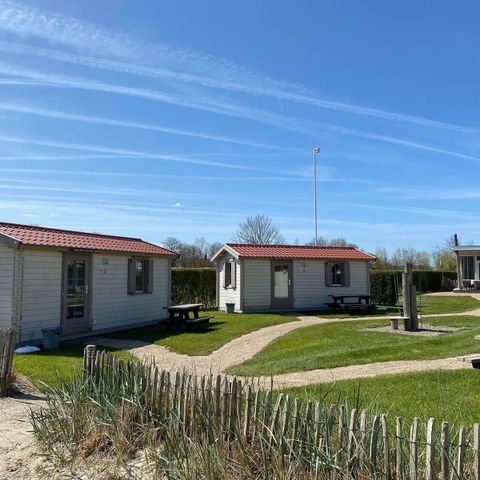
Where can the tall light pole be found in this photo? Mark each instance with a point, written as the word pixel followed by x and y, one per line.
pixel 315 151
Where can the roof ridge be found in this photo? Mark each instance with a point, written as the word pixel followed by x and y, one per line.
pixel 290 246
pixel 76 232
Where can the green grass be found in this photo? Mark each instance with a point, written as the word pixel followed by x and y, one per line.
pixel 339 344
pixel 205 338
pixel 432 304
pixel 48 365
pixel 426 305
pixel 444 395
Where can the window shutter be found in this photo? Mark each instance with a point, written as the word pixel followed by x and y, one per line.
pixel 346 274
pixel 131 277
pixel 226 274
pixel 149 264
pixel 233 275
pixel 328 274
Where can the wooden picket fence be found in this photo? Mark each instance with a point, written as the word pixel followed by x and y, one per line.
pixel 7 344
pixel 327 441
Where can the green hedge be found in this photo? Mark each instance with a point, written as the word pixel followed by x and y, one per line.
pixel 197 285
pixel 194 285
pixel 383 283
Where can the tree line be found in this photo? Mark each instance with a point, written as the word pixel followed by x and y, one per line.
pixel 260 230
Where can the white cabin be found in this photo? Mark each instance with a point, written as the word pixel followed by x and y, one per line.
pixel 288 277
pixel 81 283
pixel 468 266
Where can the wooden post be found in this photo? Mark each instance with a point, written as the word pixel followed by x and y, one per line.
pixel 7 345
pixel 476 451
pixel 445 443
pixel 430 456
pixel 398 449
pixel 413 307
pixel 88 359
pixel 414 449
pixel 386 448
pixel 461 452
pixel 406 291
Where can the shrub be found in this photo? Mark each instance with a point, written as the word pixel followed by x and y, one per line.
pixel 194 285
pixel 386 285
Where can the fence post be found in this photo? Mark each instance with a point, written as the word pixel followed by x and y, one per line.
pixel 88 359
pixel 414 449
pixel 476 451
pixel 445 442
pixel 7 344
pixel 461 452
pixel 398 449
pixel 430 459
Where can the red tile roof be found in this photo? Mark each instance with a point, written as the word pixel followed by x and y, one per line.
pixel 299 251
pixel 52 237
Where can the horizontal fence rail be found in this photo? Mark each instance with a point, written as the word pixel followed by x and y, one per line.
pixel 325 441
pixel 7 344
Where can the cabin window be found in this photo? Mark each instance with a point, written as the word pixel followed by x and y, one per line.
pixel 140 276
pixel 338 274
pixel 468 268
pixel 229 272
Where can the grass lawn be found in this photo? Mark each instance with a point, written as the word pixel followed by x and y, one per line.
pixel 426 305
pixel 445 395
pixel 338 344
pixel 431 304
pixel 205 338
pixel 47 366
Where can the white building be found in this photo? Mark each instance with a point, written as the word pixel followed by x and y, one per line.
pixel 468 266
pixel 276 277
pixel 79 282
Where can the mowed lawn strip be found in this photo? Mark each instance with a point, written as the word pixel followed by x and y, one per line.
pixel 340 344
pixel 48 365
pixel 444 395
pixel 426 305
pixel 205 338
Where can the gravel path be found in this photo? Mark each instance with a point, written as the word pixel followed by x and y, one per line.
pixel 245 347
pixel 232 353
pixel 368 370
pixel 19 458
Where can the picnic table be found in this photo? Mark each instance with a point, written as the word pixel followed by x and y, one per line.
pixel 180 314
pixel 351 301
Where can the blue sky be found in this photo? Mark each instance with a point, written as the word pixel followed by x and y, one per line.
pixel 159 119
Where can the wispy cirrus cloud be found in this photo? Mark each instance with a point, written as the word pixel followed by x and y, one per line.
pixel 180 65
pixel 42 112
pixel 299 125
pixel 121 152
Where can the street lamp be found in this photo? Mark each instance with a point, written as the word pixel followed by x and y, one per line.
pixel 315 151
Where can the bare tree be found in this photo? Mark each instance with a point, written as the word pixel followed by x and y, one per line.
pixel 334 242
pixel 259 230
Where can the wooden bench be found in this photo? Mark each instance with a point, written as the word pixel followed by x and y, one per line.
pixel 394 321
pixel 193 322
pixel 473 358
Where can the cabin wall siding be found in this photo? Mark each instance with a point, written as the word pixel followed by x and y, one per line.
pixel 309 283
pixel 112 306
pixel 7 261
pixel 229 295
pixel 41 291
pixel 257 283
